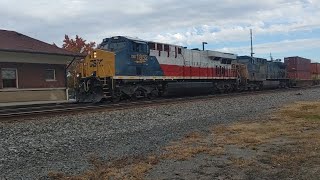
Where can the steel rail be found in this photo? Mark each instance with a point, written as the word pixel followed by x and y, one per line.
pixel 72 107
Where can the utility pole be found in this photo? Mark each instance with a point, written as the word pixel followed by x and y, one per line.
pixel 251 43
pixel 271 58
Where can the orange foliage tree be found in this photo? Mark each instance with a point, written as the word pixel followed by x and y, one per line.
pixel 77 45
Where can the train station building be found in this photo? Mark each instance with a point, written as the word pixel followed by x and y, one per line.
pixel 32 70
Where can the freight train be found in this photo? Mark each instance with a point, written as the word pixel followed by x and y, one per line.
pixel 131 68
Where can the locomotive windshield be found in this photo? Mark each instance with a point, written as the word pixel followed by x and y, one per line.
pixel 117 45
pixel 139 47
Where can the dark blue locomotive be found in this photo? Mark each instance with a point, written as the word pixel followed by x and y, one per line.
pixel 261 73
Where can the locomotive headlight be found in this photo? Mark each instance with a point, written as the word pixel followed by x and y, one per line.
pixel 94 54
pixel 78 75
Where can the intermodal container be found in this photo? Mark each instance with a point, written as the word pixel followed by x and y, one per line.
pixel 297 64
pixel 299 75
pixel 315 68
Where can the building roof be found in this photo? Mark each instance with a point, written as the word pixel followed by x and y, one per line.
pixel 15 42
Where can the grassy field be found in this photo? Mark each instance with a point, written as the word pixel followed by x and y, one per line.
pixel 284 145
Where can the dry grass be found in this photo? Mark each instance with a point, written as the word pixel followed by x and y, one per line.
pixel 240 162
pixel 138 170
pixel 192 145
pixel 298 125
pixel 179 152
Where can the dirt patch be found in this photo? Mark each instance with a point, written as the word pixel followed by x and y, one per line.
pixel 282 146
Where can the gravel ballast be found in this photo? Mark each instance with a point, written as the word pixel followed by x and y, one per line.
pixel 31 149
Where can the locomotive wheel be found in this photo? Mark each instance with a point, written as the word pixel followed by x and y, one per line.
pixel 221 90
pixel 135 96
pixel 138 94
pixel 116 97
pixel 153 94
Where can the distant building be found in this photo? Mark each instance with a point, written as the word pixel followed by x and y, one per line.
pixel 32 70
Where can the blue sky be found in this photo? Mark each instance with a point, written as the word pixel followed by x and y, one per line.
pixel 281 27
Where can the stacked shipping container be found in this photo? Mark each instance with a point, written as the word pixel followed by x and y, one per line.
pixel 315 71
pixel 298 68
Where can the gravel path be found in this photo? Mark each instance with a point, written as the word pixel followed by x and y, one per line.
pixel 63 143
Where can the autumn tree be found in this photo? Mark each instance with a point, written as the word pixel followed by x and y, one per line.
pixel 77 45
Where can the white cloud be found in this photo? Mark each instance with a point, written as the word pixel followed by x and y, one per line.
pixel 180 22
pixel 277 47
pixel 279 18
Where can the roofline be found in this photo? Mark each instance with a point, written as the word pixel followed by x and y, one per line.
pixel 36 52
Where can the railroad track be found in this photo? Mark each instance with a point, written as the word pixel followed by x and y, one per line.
pixel 53 109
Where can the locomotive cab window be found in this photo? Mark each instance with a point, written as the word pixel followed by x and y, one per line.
pixel 139 47
pixel 116 45
pixel 50 75
pixel 9 78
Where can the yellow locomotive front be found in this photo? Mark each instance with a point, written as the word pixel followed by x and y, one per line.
pixel 99 63
pixel 93 75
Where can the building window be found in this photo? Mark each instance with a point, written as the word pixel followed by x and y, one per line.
pixel 50 75
pixel 9 78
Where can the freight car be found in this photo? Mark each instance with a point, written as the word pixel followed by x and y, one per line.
pixel 299 71
pixel 315 73
pixel 130 68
